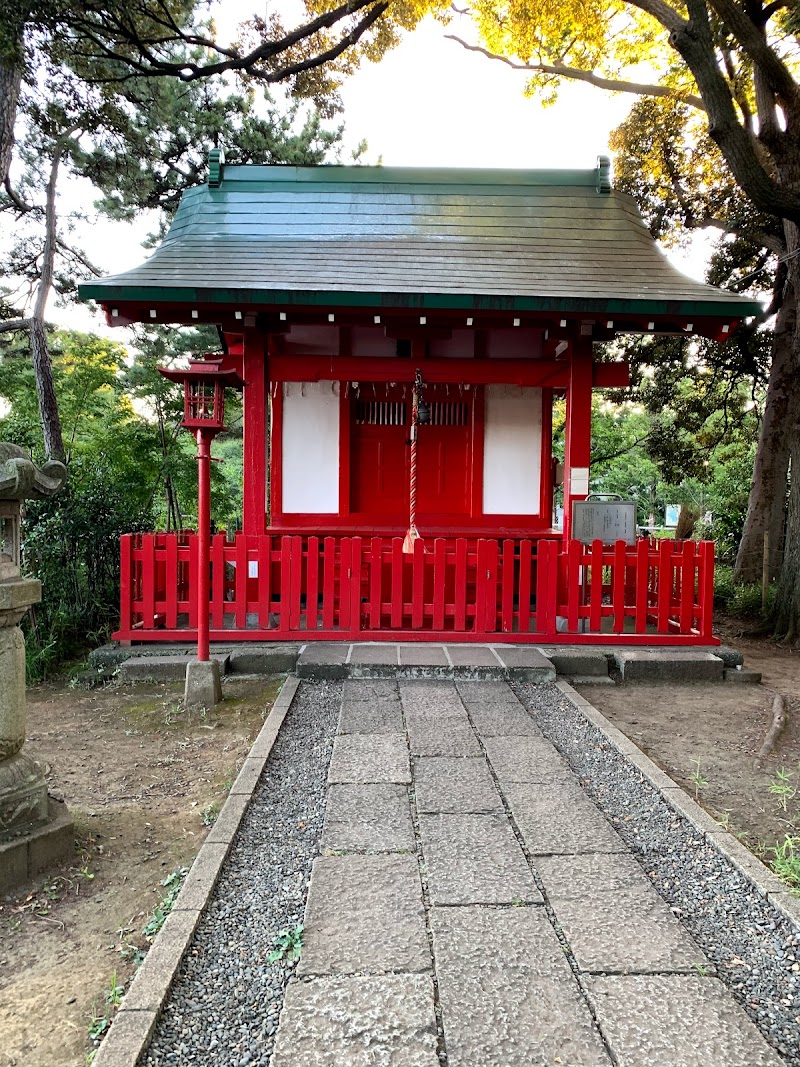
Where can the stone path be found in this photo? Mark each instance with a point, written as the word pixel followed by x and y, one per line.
pixel 473 908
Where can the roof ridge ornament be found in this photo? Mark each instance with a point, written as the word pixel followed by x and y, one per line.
pixel 603 184
pixel 216 165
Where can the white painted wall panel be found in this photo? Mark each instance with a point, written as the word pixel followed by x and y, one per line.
pixel 512 450
pixel 311 447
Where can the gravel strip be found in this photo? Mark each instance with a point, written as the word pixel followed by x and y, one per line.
pixel 223 1009
pixel 755 949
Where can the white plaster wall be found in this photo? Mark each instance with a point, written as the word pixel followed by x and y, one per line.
pixel 311 447
pixel 512 450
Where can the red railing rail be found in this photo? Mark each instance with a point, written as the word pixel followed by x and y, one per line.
pixel 272 587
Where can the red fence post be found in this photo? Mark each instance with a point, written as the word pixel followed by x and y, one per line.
pixel 705 590
pixel 398 559
pixel 460 605
pixel 356 580
pixel 687 587
pixel 312 583
pixel 665 550
pixel 329 584
pixel 618 585
pixel 439 582
pixel 126 591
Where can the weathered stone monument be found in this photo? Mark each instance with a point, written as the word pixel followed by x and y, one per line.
pixel 34 830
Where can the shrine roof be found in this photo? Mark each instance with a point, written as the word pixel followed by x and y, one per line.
pixel 532 240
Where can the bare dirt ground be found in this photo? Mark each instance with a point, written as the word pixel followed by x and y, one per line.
pixel 706 738
pixel 143 780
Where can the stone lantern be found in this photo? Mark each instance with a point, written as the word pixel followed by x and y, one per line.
pixel 24 809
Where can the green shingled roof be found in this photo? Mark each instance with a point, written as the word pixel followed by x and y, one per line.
pixel 373 236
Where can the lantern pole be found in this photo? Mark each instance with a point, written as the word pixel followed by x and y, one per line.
pixel 204 382
pixel 203 546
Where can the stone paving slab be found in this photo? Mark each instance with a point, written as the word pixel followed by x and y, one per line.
pixel 576 877
pixel 385 1021
pixel 445 784
pixel 423 656
pixel 431 701
pixel 496 692
pixel 676 1021
pixel 507 993
pixel 375 654
pixel 524 656
pixel 361 759
pixel 558 818
pixel 493 721
pixel 448 738
pixel 475 859
pixel 364 915
pixel 368 818
pixel 378 717
pixel 525 759
pixel 631 930
pixel 473 656
pixel 367 690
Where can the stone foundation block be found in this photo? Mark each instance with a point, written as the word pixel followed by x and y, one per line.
pixel 665 665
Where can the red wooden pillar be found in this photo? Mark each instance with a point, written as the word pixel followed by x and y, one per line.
pixel 578 434
pixel 254 404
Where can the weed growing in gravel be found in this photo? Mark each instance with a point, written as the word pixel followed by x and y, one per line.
pixel 698 781
pixel 288 945
pixel 786 863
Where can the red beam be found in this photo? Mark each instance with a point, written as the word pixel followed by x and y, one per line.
pixel 533 372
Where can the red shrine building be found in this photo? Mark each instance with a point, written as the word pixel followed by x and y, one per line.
pixel 374 313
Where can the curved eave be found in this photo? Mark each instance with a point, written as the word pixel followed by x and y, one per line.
pixel 727 308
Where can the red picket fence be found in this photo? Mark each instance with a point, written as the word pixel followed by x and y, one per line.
pixel 271 587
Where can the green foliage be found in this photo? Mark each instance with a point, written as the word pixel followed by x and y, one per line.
pixel 172 883
pixel 130 468
pixel 288 945
pixel 743 600
pixel 786 861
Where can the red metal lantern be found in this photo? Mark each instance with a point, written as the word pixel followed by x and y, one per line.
pixel 204 383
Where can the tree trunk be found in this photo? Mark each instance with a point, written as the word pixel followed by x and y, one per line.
pixel 11 64
pixel 785 618
pixel 42 366
pixel 766 506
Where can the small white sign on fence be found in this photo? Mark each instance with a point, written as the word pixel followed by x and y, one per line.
pixel 604 520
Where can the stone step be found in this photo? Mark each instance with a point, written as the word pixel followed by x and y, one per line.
pixel 664 665
pixel 742 676
pixel 273 659
pixel 163 668
pixel 578 662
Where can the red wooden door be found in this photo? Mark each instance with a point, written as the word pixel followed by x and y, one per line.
pixel 379 431
pixel 444 448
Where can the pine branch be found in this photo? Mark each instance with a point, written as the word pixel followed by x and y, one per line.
pixel 150 64
pixel 79 256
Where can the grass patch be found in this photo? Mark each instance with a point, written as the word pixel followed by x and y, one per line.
pixel 786 861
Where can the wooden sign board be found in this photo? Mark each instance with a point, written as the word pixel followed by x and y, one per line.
pixel 604 520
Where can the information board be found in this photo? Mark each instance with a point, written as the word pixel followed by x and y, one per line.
pixel 604 520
